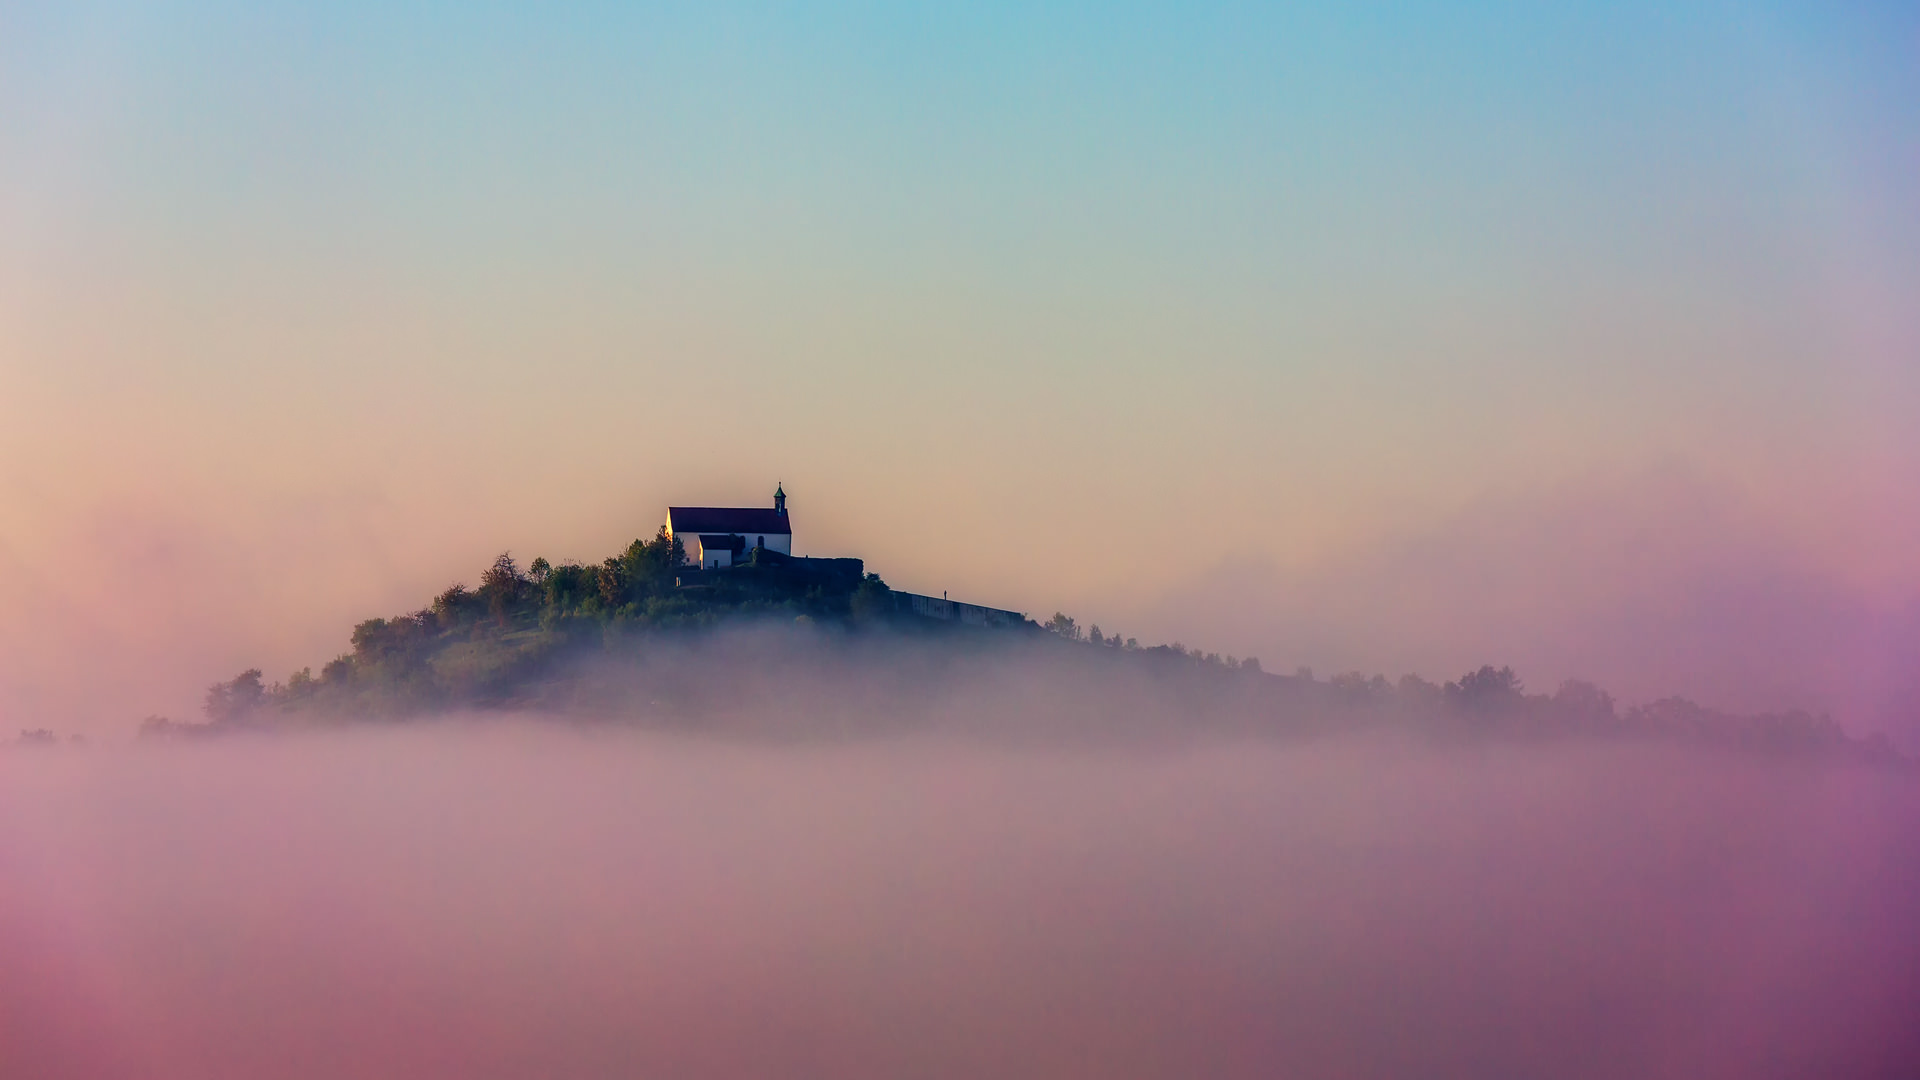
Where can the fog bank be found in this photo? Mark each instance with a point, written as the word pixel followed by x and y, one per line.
pixel 1654 584
pixel 507 901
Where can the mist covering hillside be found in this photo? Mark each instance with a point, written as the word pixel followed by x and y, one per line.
pixel 818 648
pixel 594 821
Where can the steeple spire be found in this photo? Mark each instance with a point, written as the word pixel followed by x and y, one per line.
pixel 779 499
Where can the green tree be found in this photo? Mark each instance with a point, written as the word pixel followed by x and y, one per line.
pixel 456 607
pixel 870 600
pixel 235 700
pixel 1489 689
pixel 502 586
pixel 612 584
pixel 1583 702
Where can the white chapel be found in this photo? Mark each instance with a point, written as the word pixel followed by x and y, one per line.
pixel 716 536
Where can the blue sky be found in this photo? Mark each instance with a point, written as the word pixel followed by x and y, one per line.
pixel 452 278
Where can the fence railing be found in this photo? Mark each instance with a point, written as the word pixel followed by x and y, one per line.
pixel 935 607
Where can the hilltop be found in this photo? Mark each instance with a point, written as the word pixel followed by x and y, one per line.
pixel 486 646
pixel 801 646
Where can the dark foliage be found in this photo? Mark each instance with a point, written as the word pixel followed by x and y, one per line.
pixel 520 638
pixel 482 646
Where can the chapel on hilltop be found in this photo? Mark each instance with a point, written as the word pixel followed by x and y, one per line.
pixel 714 537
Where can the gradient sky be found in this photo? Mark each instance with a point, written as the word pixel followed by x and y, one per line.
pixel 1169 316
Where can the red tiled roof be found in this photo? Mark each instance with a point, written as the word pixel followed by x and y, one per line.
pixel 727 519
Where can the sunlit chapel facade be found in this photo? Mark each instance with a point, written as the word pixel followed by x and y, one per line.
pixel 714 537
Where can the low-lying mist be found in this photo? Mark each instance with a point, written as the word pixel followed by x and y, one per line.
pixel 502 898
pixel 795 679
